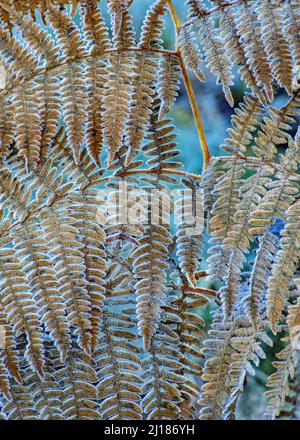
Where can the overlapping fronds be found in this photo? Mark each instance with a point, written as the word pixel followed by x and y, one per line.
pixel 190 227
pixel 279 381
pixel 103 301
pixel 144 78
pixel 162 367
pixel 212 47
pixel 284 264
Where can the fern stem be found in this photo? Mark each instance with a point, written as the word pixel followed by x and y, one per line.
pixel 225 4
pixel 160 171
pixel 190 92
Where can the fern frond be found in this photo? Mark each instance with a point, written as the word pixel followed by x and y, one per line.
pixel 281 193
pixel 117 9
pixel 244 122
pixel 276 47
pixel 214 51
pixel 20 309
pixel 78 380
pixel 279 381
pixel 189 328
pixel 291 29
pixel 86 216
pixel 247 346
pixel 161 147
pixel 9 351
pixel 18 61
pixel 118 94
pixel 217 350
pixel 190 226
pixel 85 174
pixel 274 128
pixel 221 221
pixel 268 245
pixel 6 124
pixel 162 395
pixel 20 406
pixel 33 251
pixel 226 191
pixel 144 76
pixel 284 265
pixel 190 51
pixel 72 88
pixel 118 361
pixel 96 74
pixel 168 83
pixel 235 51
pixel 249 31
pixel 66 250
pixel 150 271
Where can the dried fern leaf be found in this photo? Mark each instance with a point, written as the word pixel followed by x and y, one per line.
pixel 237 243
pixel 161 148
pixel 86 216
pixel 281 192
pixel 276 47
pixel 144 76
pixel 249 31
pixel 79 393
pixel 279 381
pixel 268 245
pixel 235 51
pixel 33 251
pixel 217 350
pixel 215 56
pixel 162 397
pixel 15 196
pixel 189 329
pixel 291 30
pixel 284 265
pixel 4 382
pixel 293 318
pixel 190 226
pixel 118 361
pixel 117 8
pixel 96 75
pixel 122 228
pixel 118 94
pixel 6 124
pixel 20 308
pixel 19 62
pixel 86 173
pixel 47 396
pixel 226 190
pixel 226 193
pixel 9 351
pixel 247 354
pixel 274 129
pixel 244 122
pixel 169 75
pixel 190 51
pixel 27 120
pixel 72 88
pixel 20 406
pixel 150 271
pixel 66 251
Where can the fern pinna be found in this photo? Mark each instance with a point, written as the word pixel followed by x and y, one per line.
pixel 101 317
